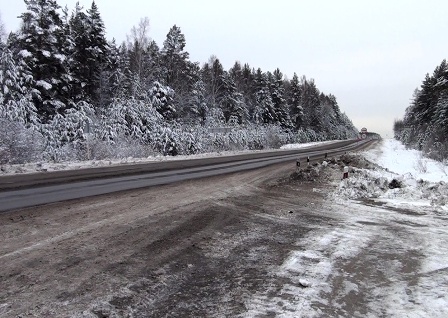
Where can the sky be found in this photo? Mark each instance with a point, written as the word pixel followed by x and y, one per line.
pixel 371 55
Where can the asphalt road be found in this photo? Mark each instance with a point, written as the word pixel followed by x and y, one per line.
pixel 41 188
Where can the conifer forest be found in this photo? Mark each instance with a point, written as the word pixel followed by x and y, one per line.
pixel 425 123
pixel 68 93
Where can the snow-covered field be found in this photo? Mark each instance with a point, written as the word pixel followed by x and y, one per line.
pixel 384 255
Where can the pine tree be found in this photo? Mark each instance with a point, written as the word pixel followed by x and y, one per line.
pixel 197 106
pixel 264 111
pixel 230 100
pixel 178 72
pixel 120 71
pixel 90 55
pixel 41 41
pixel 79 67
pixel 310 102
pixel 441 117
pixel 294 101
pixel 162 101
pixel 211 74
pixel 278 99
pixel 193 108
pixel 174 58
pixel 16 100
pixel 99 47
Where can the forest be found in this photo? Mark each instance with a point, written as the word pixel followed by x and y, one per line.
pixel 425 123
pixel 68 93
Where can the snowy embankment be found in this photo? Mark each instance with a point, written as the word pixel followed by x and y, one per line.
pixel 403 178
pixel 383 253
pixel 8 169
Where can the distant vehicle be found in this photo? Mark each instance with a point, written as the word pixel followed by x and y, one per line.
pixel 365 135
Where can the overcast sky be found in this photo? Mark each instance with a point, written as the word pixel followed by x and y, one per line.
pixel 370 54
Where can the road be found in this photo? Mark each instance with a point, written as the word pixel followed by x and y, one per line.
pixel 34 189
pixel 242 244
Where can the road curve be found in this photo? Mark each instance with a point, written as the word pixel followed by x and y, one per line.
pixel 28 190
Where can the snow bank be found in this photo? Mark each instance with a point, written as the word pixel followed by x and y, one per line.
pixel 298 146
pixel 394 156
pixel 8 169
pixel 400 180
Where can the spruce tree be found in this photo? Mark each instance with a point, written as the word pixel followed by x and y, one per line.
pixel 264 111
pixel 294 101
pixel 211 74
pixel 230 100
pixel 162 101
pixel 174 58
pixel 41 42
pixel 278 99
pixel 90 55
pixel 15 98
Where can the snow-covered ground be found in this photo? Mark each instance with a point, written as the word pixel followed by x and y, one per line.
pixel 384 254
pixel 298 146
pixel 423 181
pixel 8 169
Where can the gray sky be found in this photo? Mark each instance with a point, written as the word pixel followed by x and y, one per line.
pixel 370 54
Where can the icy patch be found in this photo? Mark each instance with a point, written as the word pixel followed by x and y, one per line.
pixel 308 272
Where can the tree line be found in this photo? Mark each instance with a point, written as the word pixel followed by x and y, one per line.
pixel 66 92
pixel 425 123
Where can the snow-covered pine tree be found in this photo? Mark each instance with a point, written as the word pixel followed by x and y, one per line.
pixel 41 42
pixel 178 72
pixel 99 52
pixel 79 67
pixel 162 100
pixel 278 99
pixel 242 77
pixel 211 75
pixel 310 102
pixel 264 112
pixel 236 73
pixel 120 72
pixel 174 57
pixel 294 102
pixel 195 108
pixel 16 100
pixel 230 100
pixel 90 55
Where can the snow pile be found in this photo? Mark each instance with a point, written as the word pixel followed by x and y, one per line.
pixel 405 179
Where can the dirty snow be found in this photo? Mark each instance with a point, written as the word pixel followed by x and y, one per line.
pixel 385 253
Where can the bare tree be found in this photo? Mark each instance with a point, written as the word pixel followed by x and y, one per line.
pixel 2 30
pixel 138 42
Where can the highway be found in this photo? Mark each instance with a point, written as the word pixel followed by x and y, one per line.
pixel 21 191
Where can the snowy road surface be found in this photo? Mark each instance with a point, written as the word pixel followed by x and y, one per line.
pixel 263 243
